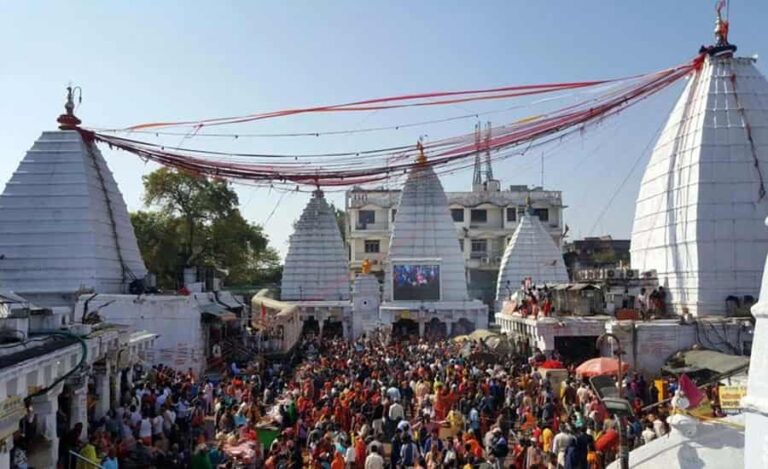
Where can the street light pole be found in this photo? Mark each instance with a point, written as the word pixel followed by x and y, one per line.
pixel 623 449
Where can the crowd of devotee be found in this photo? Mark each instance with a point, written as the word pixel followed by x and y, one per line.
pixel 372 403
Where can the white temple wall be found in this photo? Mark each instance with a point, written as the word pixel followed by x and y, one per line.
pixel 176 319
pixel 653 342
pixel 366 298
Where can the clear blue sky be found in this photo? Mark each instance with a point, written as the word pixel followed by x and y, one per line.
pixel 146 60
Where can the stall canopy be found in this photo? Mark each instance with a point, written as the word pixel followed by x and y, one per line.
pixel 692 361
pixel 601 366
pixel 228 300
pixel 216 311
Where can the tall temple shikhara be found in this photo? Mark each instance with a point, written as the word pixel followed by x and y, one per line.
pixel 425 277
pixel 64 226
pixel 700 211
pixel 315 271
pixel 316 263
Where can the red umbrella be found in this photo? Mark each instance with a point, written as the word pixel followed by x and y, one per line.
pixel 601 366
pixel 552 364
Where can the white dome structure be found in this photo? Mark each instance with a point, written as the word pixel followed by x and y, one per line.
pixel 702 202
pixel 64 226
pixel 316 264
pixel 531 252
pixel 692 444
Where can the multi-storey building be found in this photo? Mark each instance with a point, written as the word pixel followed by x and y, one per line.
pixel 485 219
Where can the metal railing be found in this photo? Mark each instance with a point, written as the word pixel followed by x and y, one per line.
pixel 75 459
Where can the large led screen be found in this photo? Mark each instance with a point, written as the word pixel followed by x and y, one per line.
pixel 415 282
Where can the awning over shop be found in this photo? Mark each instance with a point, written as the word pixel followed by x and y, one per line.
pixel 690 361
pixel 216 311
pixel 228 300
pixel 583 286
pixel 12 301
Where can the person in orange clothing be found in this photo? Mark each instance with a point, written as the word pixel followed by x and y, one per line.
pixel 338 461
pixel 441 404
pixel 360 452
pixel 529 421
pixel 475 448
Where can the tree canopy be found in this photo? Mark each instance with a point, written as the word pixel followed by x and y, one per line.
pixel 196 222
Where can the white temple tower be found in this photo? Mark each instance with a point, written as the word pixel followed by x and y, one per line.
pixel 316 264
pixel 64 227
pixel 315 271
pixel 755 404
pixel 699 213
pixel 531 252
pixel 425 279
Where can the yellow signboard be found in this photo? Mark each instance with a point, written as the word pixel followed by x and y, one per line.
pixel 11 410
pixel 405 314
pixel 730 396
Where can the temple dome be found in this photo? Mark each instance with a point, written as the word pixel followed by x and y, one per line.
pixel 64 226
pixel 316 264
pixel 531 252
pixel 701 205
pixel 424 232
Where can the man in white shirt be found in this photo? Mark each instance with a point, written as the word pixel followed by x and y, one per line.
pixel 169 419
pixel 396 412
pixel 135 416
pixel 560 442
pixel 393 393
pixel 648 434
pixel 374 460
pixel 350 456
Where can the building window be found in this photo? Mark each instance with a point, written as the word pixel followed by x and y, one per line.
pixel 479 246
pixel 542 213
pixel 371 246
pixel 479 216
pixel 511 213
pixel 365 217
pixel 394 212
pixel 461 245
pixel 457 214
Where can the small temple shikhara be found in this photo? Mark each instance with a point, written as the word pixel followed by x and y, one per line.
pixel 530 253
pixel 315 272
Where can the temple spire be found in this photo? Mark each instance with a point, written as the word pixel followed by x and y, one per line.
pixel 69 121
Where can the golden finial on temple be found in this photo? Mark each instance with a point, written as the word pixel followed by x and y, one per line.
pixel 422 158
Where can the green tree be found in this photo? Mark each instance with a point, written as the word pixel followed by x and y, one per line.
pixel 196 199
pixel 198 224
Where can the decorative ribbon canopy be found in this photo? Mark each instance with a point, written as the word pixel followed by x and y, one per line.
pixel 360 167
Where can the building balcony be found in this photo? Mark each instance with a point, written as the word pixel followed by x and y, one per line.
pixel 371 227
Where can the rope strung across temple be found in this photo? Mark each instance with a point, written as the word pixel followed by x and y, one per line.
pixel 360 167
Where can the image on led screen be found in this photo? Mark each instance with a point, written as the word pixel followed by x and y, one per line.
pixel 415 282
